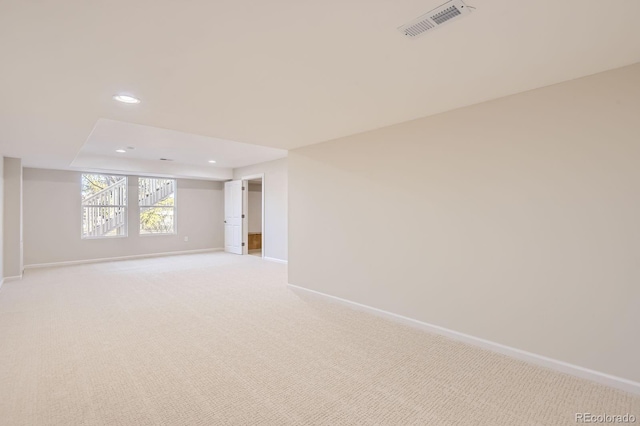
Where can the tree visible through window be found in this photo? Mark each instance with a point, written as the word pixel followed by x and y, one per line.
pixel 104 206
pixel 157 201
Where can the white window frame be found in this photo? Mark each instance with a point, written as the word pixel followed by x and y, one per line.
pixel 124 206
pixel 175 208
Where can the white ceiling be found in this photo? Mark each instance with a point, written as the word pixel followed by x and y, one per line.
pixel 186 155
pixel 280 73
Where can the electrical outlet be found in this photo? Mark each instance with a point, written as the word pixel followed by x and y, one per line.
pixel 186 239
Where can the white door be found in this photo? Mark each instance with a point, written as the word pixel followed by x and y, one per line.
pixel 235 217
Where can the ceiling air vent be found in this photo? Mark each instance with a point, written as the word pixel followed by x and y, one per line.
pixel 450 11
pixel 166 159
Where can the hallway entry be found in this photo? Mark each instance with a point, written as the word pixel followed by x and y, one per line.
pixel 244 216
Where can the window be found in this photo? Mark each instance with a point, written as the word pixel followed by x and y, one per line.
pixel 104 206
pixel 157 205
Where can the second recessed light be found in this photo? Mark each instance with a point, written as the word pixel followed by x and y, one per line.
pixel 212 161
pixel 120 150
pixel 126 99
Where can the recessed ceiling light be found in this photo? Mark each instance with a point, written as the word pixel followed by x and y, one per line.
pixel 126 99
pixel 120 150
pixel 212 161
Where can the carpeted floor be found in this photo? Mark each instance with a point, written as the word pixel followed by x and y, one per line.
pixel 218 339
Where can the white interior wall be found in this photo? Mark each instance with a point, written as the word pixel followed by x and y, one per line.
pixel 275 187
pixel 12 218
pixel 515 220
pixel 52 219
pixel 1 219
pixel 255 207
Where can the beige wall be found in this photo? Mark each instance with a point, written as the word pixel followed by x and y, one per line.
pixel 1 219
pixel 254 210
pixel 516 220
pixel 12 218
pixel 52 220
pixel 275 187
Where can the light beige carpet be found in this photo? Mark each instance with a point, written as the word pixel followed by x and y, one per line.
pixel 217 339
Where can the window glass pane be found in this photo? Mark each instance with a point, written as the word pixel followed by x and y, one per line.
pixel 104 190
pixel 156 192
pixel 157 220
pixel 104 221
pixel 104 205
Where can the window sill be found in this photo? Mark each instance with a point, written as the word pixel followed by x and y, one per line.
pixel 104 238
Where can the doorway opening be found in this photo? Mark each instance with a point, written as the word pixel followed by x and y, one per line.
pixel 244 209
pixel 255 216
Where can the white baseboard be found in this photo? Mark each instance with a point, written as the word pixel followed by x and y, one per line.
pixel 111 259
pixel 14 278
pixel 273 259
pixel 6 279
pixel 553 364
